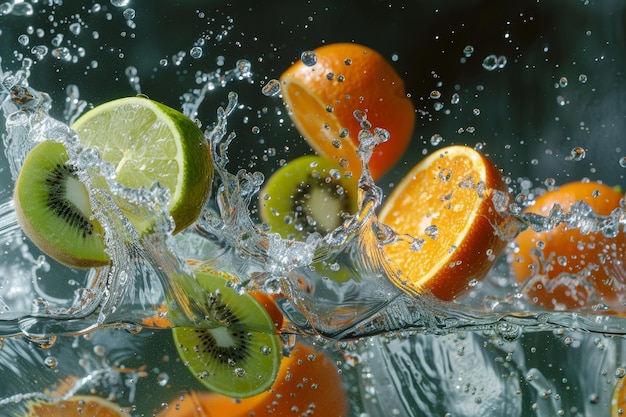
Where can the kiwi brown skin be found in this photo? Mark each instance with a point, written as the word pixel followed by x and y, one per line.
pixel 55 224
pixel 305 188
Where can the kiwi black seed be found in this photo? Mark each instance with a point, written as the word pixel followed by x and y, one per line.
pixel 309 194
pixel 240 357
pixel 53 209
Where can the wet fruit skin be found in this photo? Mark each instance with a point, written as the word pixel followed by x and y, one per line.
pixel 576 269
pixel 322 99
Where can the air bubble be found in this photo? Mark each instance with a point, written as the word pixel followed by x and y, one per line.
pixel 272 88
pixel 436 139
pixel 582 78
pixel 455 98
pixel 578 153
pixel 75 28
pixel 622 162
pixel 129 14
pixel 120 3
pixel 431 231
pixel 435 95
pixel 490 63
pixel 23 39
pixel 51 362
pixel 468 50
pixel 195 52
pixel 308 58
pixel 476 112
pixel 330 76
pixel 240 372
pixel 563 82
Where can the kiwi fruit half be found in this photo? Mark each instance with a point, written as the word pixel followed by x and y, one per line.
pixel 239 359
pixel 309 194
pixel 53 209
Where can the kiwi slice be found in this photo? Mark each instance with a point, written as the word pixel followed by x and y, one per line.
pixel 239 359
pixel 53 208
pixel 309 194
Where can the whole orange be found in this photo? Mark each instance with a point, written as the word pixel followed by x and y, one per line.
pixel 567 268
pixel 321 99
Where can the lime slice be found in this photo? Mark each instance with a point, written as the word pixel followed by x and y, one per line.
pixel 148 142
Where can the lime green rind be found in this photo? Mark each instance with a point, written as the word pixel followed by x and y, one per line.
pixel 147 141
pixel 265 350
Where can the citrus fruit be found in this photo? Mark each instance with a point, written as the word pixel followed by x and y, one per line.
pixel 618 400
pixel 321 99
pixel 308 383
pixel 570 267
pixel 447 202
pixel 76 406
pixel 148 142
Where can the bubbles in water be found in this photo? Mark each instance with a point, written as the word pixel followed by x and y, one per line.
pixel 468 50
pixel 490 63
pixel 120 3
pixel 272 88
pixel 435 94
pixel 23 39
pixel 51 362
pixel 129 14
pixel 582 78
pixel 455 98
pixel 436 139
pixel 308 58
pixel 195 52
pixel 75 28
pixel 563 82
pixel 578 153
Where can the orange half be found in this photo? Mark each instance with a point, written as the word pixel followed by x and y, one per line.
pixel 447 203
pixel 322 98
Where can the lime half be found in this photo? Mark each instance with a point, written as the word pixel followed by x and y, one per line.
pixel 148 142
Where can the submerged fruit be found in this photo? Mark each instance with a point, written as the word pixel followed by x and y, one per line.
pixel 307 195
pixel 570 267
pixel 451 203
pixel 240 358
pixel 308 383
pixel 53 209
pixel 148 142
pixel 76 406
pixel 322 98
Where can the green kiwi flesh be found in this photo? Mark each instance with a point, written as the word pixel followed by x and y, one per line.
pixel 53 209
pixel 239 359
pixel 309 194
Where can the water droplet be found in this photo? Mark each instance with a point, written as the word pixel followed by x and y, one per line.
pixel 272 88
pixel 622 162
pixel 431 231
pixel 51 362
pixel 563 82
pixel 502 61
pixel 436 139
pixel 490 63
pixel 445 174
pixel 240 372
pixel 455 98
pixel 578 153
pixel 560 100
pixel 347 62
pixel 476 112
pixel 195 52
pixel 330 76
pixel 468 50
pixel 266 350
pixel 120 3
pixel 39 51
pixel 582 78
pixel 308 58
pixel 129 14
pixel 435 95
pixel 75 28
pixel 23 39
pixel 620 373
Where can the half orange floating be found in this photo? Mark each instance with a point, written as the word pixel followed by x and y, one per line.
pixel 451 203
pixel 321 99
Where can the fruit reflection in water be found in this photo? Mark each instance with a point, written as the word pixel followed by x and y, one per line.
pixel 323 95
pixel 451 203
pixel 570 266
pixel 77 406
pixel 308 383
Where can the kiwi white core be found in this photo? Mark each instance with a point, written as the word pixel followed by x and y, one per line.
pixel 76 192
pixel 222 337
pixel 327 213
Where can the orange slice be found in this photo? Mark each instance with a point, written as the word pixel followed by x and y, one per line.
pixel 77 406
pixel 572 266
pixel 447 203
pixel 323 97
pixel 308 383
